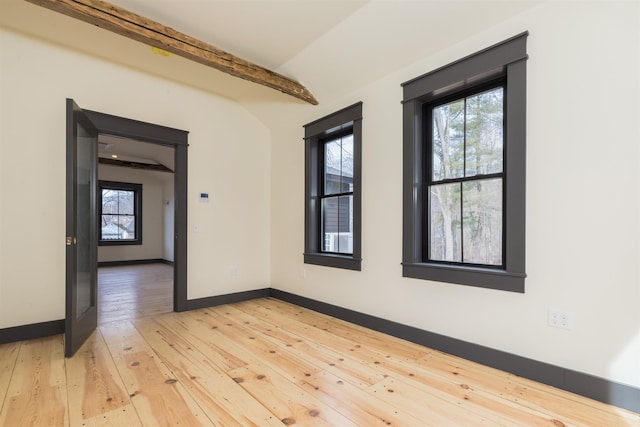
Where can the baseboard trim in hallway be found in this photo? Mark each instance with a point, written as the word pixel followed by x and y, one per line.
pixel 32 331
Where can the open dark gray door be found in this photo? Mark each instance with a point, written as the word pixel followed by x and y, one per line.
pixel 82 249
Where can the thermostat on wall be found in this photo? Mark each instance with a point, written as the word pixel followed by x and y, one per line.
pixel 204 197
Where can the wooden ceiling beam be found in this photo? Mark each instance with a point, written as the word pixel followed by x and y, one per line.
pixel 123 22
pixel 134 165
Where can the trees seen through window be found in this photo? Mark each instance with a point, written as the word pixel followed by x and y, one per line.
pixel 465 186
pixel 120 213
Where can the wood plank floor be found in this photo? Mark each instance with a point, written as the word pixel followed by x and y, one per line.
pixel 134 291
pixel 269 363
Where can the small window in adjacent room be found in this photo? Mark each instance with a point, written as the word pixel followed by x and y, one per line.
pixel 120 213
pixel 332 189
pixel 464 170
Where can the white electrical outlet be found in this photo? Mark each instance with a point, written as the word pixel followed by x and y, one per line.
pixel 559 319
pixel 233 271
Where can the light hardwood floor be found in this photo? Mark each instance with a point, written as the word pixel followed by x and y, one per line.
pixel 134 291
pixel 269 363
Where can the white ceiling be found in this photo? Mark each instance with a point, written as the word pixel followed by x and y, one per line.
pixel 116 147
pixel 330 46
pixel 267 32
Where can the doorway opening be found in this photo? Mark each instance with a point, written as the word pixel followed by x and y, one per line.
pixel 165 140
pixel 83 128
pixel 135 228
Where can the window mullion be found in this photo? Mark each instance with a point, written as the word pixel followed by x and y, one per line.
pixel 464 141
pixel 470 178
pixel 461 223
pixel 338 197
pixel 118 213
pixel 347 193
pixel 464 174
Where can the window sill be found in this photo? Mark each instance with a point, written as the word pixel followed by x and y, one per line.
pixel 470 276
pixel 119 242
pixel 333 260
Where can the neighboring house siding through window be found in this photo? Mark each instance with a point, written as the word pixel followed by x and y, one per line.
pixel 336 201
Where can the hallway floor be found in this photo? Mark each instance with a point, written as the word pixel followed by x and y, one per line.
pixel 134 291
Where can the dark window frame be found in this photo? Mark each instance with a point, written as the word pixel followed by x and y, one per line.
pixel 504 60
pixel 316 133
pixel 137 211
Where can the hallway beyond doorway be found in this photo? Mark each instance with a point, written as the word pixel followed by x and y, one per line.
pixel 134 291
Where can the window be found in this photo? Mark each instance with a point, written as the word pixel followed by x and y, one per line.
pixel 464 186
pixel 332 189
pixel 336 199
pixel 120 213
pixel 464 170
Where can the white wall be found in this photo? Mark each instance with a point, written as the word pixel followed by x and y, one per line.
pixel 229 156
pixel 583 197
pixel 168 201
pixel 153 214
pixel 583 190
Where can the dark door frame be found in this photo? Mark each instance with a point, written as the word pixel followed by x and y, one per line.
pixel 178 139
pixel 81 226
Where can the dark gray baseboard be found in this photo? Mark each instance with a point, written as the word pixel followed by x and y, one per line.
pixel 134 262
pixel 32 331
pixel 194 304
pixel 590 386
pixel 600 389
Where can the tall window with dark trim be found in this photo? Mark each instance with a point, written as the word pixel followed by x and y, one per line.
pixel 120 213
pixel 464 170
pixel 332 189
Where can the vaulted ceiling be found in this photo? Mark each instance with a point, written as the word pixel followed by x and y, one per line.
pixel 330 46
